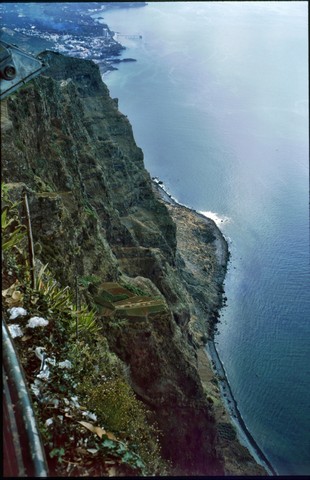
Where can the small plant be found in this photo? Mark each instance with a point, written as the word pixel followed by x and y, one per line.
pixel 125 455
pixel 12 296
pixel 89 279
pixel 13 232
pixel 85 320
pixel 13 236
pixel 60 299
pixel 57 452
pixel 90 211
pixel 136 290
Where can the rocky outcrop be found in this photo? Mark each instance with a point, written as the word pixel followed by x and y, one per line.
pixel 164 375
pixel 94 212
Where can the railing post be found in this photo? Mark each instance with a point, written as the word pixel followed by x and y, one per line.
pixel 77 306
pixel 30 243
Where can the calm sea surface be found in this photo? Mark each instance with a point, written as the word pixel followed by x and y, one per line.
pixel 218 100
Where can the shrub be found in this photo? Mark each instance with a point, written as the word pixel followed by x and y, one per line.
pixel 13 232
pixel 105 390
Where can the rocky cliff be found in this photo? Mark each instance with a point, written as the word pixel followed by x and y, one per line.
pixel 94 212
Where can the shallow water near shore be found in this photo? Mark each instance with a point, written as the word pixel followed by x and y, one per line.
pixel 218 101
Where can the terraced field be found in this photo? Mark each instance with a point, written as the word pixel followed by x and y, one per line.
pixel 114 298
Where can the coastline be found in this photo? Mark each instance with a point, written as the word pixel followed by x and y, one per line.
pixel 209 348
pixel 231 406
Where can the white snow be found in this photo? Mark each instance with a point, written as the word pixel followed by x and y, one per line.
pixel 74 402
pixel 90 415
pixel 37 322
pixel 44 374
pixel 49 422
pixel 16 312
pixel 51 361
pixel 35 387
pixel 15 330
pixel 65 364
pixel 92 450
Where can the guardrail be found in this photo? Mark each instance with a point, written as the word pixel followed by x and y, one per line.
pixel 23 452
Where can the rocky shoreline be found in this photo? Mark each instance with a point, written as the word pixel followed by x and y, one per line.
pixel 231 406
pixel 235 441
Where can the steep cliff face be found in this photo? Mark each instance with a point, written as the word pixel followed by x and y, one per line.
pixel 164 375
pixel 69 139
pixel 94 212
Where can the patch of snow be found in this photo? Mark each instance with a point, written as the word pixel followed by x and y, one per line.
pixel 35 387
pixel 16 312
pixel 74 402
pixel 49 422
pixel 37 322
pixel 90 415
pixel 15 330
pixel 44 374
pixel 65 364
pixel 92 450
pixel 51 361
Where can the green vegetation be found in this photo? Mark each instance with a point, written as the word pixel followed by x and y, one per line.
pixel 135 290
pixel 88 280
pixel 91 422
pixel 119 299
pixel 13 233
pixel 19 144
pixel 116 405
pixel 90 212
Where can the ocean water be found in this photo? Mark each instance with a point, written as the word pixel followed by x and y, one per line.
pixel 218 101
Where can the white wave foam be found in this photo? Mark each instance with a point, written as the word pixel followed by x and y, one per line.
pixel 218 219
pixel 164 188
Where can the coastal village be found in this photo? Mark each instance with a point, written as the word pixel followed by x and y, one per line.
pixel 68 29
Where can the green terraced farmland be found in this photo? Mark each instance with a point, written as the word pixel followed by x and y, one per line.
pixel 113 298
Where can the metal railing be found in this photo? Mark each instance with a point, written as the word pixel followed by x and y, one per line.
pixel 23 452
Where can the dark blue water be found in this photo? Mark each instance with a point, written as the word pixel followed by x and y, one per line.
pixel 218 101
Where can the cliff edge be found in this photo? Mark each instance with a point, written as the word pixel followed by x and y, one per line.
pixel 95 213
